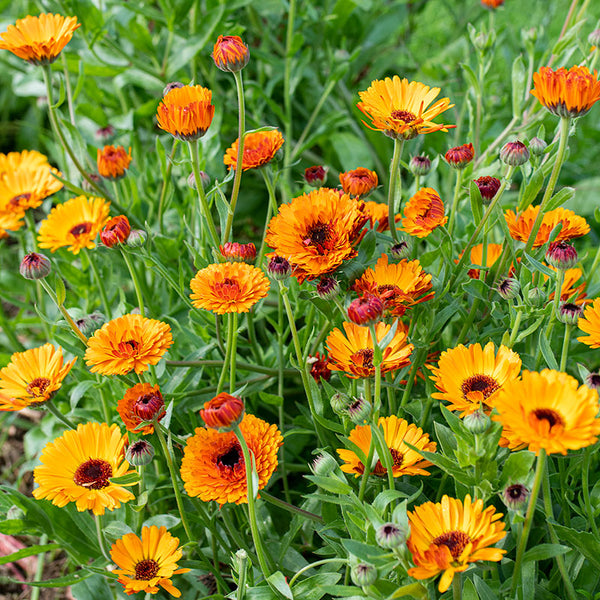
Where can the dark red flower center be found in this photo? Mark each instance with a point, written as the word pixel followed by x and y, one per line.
pixel 81 229
pixel 404 116
pixel 364 357
pixel 146 569
pixel 93 474
pixel 16 200
pixel 128 348
pixel 232 458
pixel 455 541
pixel 549 415
pixel 479 383
pixel 319 236
pixel 38 386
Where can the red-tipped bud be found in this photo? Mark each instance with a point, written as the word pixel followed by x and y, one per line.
pixel 359 410
pixel 116 231
pixel 488 187
pixel 400 250
pixel 204 180
pixel 315 176
pixel 171 86
pixel 136 238
pixel 509 288
pixel 419 165
pixel 390 536
pixel 364 574
pixel 365 310
pixel 460 156
pixel 230 53
pixel 236 252
pixel 223 412
pixel 516 496
pixel 593 381
pixel 105 133
pixel 561 255
pixel 318 367
pixel 569 313
pixel 328 288
pixel 279 268
pixel 140 453
pixel 359 182
pixel 514 154
pixel 149 405
pixel 35 266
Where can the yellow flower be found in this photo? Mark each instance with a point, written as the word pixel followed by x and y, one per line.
pixel 24 188
pixel 32 377
pixel 10 221
pixel 260 148
pixel 186 112
pixel 128 343
pixel 148 562
pixel 590 324
pixel 39 40
pixel 401 108
pixel 213 466
pixel 447 536
pixel 27 160
pixel 396 432
pixel 77 467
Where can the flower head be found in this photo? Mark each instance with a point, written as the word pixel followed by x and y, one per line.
pixel 492 3
pixel 566 93
pixel 142 403
pixel 223 412
pixel 186 112
pixel 260 148
pixel 228 287
pixel 147 563
pixel 39 40
pixel 236 252
pixel 32 377
pixel 317 232
pixel 113 161
pixel 10 221
pixel 549 411
pixel 590 324
pixel 74 224
pixel 26 187
pixel 319 367
pixel 77 467
pixel 470 377
pixel 359 182
pixel 400 108
pixel 116 231
pixel 405 460
pixel 213 465
pixel 423 213
pixel 127 343
pixel 351 351
pixel 230 53
pixel 460 156
pixel 447 536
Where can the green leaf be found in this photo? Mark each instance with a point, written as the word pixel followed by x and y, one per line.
pixel 582 541
pixel 532 189
pixel 129 479
pixel 545 551
pixel 271 399
pixel 519 77
pixel 64 581
pixel 413 590
pixel 449 466
pixel 562 196
pixel 61 292
pixel 538 266
pixel 483 589
pixel 330 484
pixel 517 467
pixel 312 588
pixel 547 352
pixel 366 552
pixel 476 202
pixel 30 551
pixel 477 289
pixel 469 592
pixel 471 78
pixel 278 581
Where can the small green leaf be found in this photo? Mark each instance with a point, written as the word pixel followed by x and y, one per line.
pixel 545 551
pixel 278 581
pixel 30 551
pixel 547 352
pixel 519 76
pixel 476 202
pixel 271 399
pixel 129 479
pixel 61 292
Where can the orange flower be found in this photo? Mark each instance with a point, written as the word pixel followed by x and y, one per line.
pixel 359 182
pixel 492 3
pixel 228 287
pixel 230 53
pixel 116 231
pixel 22 189
pixel 223 412
pixel 460 156
pixel 493 254
pixel 141 403
pixel 398 107
pixel 566 93
pixel 400 285
pixel 39 40
pixel 317 232
pixel 520 226
pixel 186 112
pixel 113 161
pixel 260 148
pixel 10 221
pixel 378 213
pixel 590 324
pixel 423 213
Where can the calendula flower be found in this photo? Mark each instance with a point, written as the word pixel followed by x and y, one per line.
pixel 260 148
pixel 228 287
pixel 400 108
pixel 549 411
pixel 39 40
pixel 447 536
pixel 566 93
pixel 590 324
pixel 22 188
pixel 405 460
pixel 32 377
pixel 359 182
pixel 27 160
pixel 236 252
pixel 399 285
pixel 230 53
pixel 493 254
pixel 520 226
pixel 470 377
pixel 572 290
pixel 423 213
pixel 128 343
pixel 317 232
pixel 377 212
pixel 113 161
pixel 213 465
pixel 141 404
pixel 460 156
pixel 492 3
pixel 116 231
pixel 147 563
pixel 351 351
pixel 186 112
pixel 74 224
pixel 10 221
pixel 77 467
pixel 223 412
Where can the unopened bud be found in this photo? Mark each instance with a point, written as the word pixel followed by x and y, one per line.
pixel 400 250
pixel 593 381
pixel 514 154
pixel 279 268
pixel 477 422
pixel 509 288
pixel 488 187
pixel 516 496
pixel 315 176
pixel 537 146
pixel 137 238
pixel 323 465
pixel 204 180
pixel 569 313
pixel 339 404
pixel 35 266
pixel 460 156
pixel 419 165
pixel 390 536
pixel 594 38
pixel 359 411
pixel 230 53
pixel 140 453
pixel 90 323
pixel 171 86
pixel 536 297
pixel 328 288
pixel 561 255
pixel 365 310
pixel 363 574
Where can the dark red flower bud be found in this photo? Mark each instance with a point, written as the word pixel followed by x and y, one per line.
pixel 328 288
pixel 514 154
pixel 460 156
pixel 561 255
pixel 365 310
pixel 419 165
pixel 318 367
pixel 116 231
pixel 315 176
pixel 236 252
pixel 149 406
pixel 35 266
pixel 488 187
pixel 279 268
pixel 223 412
pixel 569 313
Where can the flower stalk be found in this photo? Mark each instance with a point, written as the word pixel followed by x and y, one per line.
pixel 395 189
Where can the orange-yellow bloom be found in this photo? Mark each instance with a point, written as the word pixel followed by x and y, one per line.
pixel 260 148
pixel 141 404
pixel 113 161
pixel 590 324
pixel 423 213
pixel 493 254
pixel 230 53
pixel 186 112
pixel 359 182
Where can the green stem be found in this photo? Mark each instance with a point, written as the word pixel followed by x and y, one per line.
pixel 271 209
pixel 377 365
pixel 136 284
pixel 560 277
pixel 522 545
pixel 395 189
pixel 515 328
pixel 479 106
pixel 228 352
pixel 165 184
pixel 455 201
pixel 565 123
pixel 468 322
pixel 99 283
pixel 585 485
pixel 31 227
pixel 287 95
pixel 565 347
pixel 54 410
pixel 234 326
pixel 39 569
pixel 367 468
pixel 242 557
pixel 456 587
pixel 167 453
pixel 101 543
pixel 240 155
pixel 318 563
pixel 411 376
pixel 68 90
pixel 290 507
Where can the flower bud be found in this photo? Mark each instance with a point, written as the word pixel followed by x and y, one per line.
pixel 488 187
pixel 149 405
pixel 419 165
pixel 593 381
pixel 363 574
pixel 390 536
pixel 279 268
pixel 328 288
pixel 140 453
pixel 536 297
pixel 315 176
pixel 339 404
pixel 460 156
pixel 323 465
pixel 171 86
pixel 35 266
pixel 514 154
pixel 561 255
pixel 359 182
pixel 365 310
pixel 223 412
pixel 359 410
pixel 318 367
pixel 537 146
pixel 477 422
pixel 400 250
pixel 509 288
pixel 104 133
pixel 116 231
pixel 90 323
pixel 236 252
pixel 230 53
pixel 204 180
pixel 569 313
pixel 137 238
pixel 516 496
pixel 87 186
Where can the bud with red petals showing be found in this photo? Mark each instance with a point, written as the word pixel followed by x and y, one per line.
pixel 488 187
pixel 359 182
pixel 400 250
pixel 149 405
pixel 516 496
pixel 230 53
pixel 318 367
pixel 223 412
pixel 561 255
pixel 279 268
pixel 315 176
pixel 460 156
pixel 569 313
pixel 171 86
pixel 514 154
pixel 328 288
pixel 35 266
pixel 116 231
pixel 104 133
pixel 509 288
pixel 359 410
pixel 204 180
pixel 236 252
pixel 365 310
pixel 593 381
pixel 136 238
pixel 420 165
pixel 140 453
